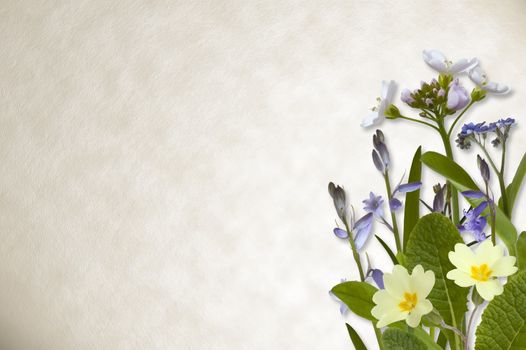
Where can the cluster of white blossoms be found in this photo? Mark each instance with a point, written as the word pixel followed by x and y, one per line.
pixel 438 61
pixel 404 295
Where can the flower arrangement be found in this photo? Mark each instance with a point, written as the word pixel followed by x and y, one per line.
pixel 448 265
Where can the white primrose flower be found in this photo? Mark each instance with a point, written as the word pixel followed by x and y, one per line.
pixel 479 77
pixel 385 99
pixel 436 60
pixel 481 268
pixel 404 296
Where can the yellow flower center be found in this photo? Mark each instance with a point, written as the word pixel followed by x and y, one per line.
pixel 409 302
pixel 481 273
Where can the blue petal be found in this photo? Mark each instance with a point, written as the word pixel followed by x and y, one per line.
pixel 480 208
pixel 340 233
pixel 409 187
pixel 395 204
pixel 473 194
pixel 378 277
pixel 363 230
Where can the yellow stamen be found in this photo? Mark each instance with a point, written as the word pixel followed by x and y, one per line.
pixel 481 273
pixel 409 302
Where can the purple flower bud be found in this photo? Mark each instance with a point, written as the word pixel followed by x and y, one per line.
pixel 473 194
pixel 378 277
pixel 340 233
pixel 439 201
pixel 362 230
pixel 384 154
pixel 406 96
pixel 484 168
pixel 338 196
pixel 441 93
pixel 395 204
pixel 378 162
pixel 429 101
pixel 408 187
pixel 457 97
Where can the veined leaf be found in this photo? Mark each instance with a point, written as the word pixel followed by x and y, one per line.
pixel 358 296
pixel 433 237
pixel 503 325
pixel 520 252
pixel 397 339
pixel 419 333
pixel 463 182
pixel 356 340
pixel 412 199
pixel 513 189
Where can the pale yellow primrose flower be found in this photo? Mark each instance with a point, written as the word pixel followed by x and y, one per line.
pixel 404 296
pixel 481 268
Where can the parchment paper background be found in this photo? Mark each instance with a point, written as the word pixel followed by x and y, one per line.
pixel 165 164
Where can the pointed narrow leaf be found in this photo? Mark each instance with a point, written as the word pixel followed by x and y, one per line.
pixel 442 340
pixel 503 324
pixel 388 250
pixel 463 182
pixel 433 237
pixel 356 340
pixel 412 199
pixel 358 296
pixel 515 185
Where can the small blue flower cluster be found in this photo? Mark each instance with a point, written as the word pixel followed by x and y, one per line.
pixel 471 130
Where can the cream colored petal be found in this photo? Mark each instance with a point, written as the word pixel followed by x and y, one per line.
pixel 422 282
pixel 383 298
pixel 413 319
pixel 461 278
pixel 462 257
pixel 504 267
pixel 423 307
pixel 397 283
pixel 489 289
pixel 487 253
pixel 391 317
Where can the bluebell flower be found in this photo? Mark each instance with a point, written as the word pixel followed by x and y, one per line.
pixel 394 203
pixel 377 276
pixel 475 223
pixel 338 232
pixel 374 204
pixel 343 308
pixel 362 230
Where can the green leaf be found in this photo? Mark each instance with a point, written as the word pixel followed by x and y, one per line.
pixel 412 199
pixel 442 340
pixel 388 250
pixel 503 324
pixel 358 296
pixel 356 340
pixel 520 252
pixel 397 339
pixel 433 237
pixel 514 187
pixel 418 332
pixel 463 182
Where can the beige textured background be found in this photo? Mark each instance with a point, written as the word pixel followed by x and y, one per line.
pixel 164 164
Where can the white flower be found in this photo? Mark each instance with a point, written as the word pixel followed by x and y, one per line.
pixel 436 60
pixel 404 296
pixel 479 77
pixel 481 268
pixel 377 114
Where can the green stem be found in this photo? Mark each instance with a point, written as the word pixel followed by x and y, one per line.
pixel 393 216
pixel 419 121
pixel 503 193
pixel 449 152
pixel 458 118
pixel 378 335
pixel 355 252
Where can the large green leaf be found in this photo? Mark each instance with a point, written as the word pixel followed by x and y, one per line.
pixel 503 325
pixel 463 182
pixel 515 185
pixel 397 339
pixel 356 340
pixel 358 296
pixel 433 237
pixel 412 199
pixel 520 252
pixel 418 332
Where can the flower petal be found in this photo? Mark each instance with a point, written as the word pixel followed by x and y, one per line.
pixel 409 187
pixel 435 59
pixel 496 88
pixel 473 194
pixel 397 283
pixel 462 65
pixel 489 289
pixel 340 233
pixel 413 319
pixel 504 267
pixel 363 229
pixel 395 204
pixel 388 91
pixel 422 282
pixel 487 253
pixel 460 278
pixel 462 257
pixel 378 277
pixel 371 119
pixel 390 317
